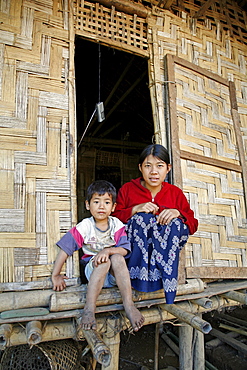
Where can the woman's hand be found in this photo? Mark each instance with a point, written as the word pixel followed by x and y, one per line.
pixel 167 215
pixel 102 257
pixel 148 207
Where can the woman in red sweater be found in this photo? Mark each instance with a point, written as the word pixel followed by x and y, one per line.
pixel 159 220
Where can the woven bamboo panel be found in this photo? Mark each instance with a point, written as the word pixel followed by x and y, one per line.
pixel 35 189
pixel 99 23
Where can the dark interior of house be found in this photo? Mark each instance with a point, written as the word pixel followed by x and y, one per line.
pixel 109 148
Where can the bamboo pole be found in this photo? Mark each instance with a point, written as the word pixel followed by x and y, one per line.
pixel 187 317
pixel 34 332
pixel 5 333
pixel 232 328
pixel 236 296
pixel 203 302
pixel 100 350
pixel 69 300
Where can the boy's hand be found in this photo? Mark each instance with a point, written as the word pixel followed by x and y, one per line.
pixel 102 257
pixel 58 282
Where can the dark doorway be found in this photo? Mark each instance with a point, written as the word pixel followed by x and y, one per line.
pixel 110 149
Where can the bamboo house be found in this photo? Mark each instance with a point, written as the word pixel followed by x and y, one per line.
pixel 169 71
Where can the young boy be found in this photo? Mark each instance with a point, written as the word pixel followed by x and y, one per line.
pixel 105 246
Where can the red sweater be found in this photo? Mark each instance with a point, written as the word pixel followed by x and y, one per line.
pixel 170 196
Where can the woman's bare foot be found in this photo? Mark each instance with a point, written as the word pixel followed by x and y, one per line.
pixel 88 319
pixel 135 317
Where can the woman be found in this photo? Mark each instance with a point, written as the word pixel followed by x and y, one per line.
pixel 159 221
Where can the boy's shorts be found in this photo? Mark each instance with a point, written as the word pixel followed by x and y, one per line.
pixel 110 280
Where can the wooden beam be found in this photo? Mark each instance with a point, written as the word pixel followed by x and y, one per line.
pixel 125 6
pixel 213 76
pixel 210 161
pixel 211 272
pixel 166 4
pixel 202 11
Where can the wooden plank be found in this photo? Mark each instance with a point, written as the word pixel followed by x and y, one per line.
pixel 210 272
pixel 210 161
pixel 213 76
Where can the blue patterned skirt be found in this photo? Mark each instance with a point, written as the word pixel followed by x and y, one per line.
pixel 153 263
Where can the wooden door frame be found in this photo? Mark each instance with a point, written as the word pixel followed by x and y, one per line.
pixel 177 155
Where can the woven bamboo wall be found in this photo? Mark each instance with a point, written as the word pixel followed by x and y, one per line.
pixel 35 196
pixel 37 157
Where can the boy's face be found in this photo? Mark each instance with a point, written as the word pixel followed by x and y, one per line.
pixel 100 206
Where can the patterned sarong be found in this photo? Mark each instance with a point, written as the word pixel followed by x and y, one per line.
pixel 153 264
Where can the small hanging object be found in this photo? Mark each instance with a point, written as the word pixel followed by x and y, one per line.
pixel 100 112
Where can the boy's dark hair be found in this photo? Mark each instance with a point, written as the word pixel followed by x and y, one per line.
pixel 156 150
pixel 101 187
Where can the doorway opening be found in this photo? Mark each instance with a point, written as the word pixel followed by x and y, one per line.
pixel 110 149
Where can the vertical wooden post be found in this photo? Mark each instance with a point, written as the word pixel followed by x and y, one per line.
pixel 112 340
pixel 199 353
pixel 185 347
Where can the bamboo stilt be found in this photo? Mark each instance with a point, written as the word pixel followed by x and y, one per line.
pixel 185 347
pixel 34 332
pixel 198 351
pixel 5 332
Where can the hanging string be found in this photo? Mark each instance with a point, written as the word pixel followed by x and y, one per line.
pixel 99 68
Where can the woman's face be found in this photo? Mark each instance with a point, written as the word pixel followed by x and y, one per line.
pixel 154 171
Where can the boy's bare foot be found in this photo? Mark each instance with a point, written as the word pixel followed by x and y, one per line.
pixel 88 320
pixel 135 317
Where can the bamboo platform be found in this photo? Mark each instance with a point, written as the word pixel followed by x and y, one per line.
pixel 39 314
